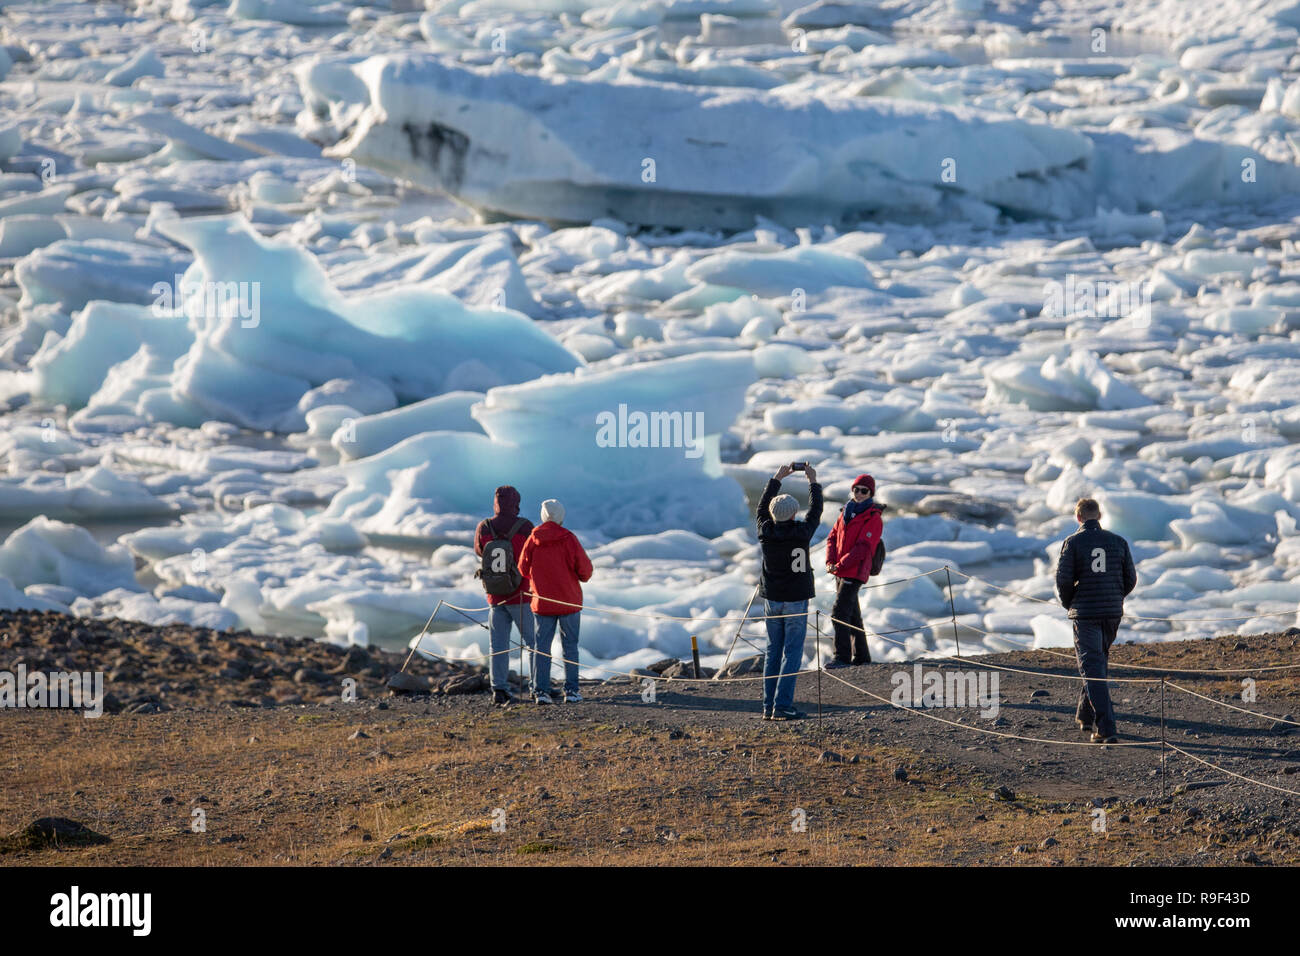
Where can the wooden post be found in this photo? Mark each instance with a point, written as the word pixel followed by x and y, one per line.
pixel 952 606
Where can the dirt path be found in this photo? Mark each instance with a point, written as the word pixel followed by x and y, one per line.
pixel 694 777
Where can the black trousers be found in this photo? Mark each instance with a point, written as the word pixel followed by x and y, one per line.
pixel 850 636
pixel 1092 640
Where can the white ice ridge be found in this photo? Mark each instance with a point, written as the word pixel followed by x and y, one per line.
pixel 628 450
pixel 526 144
pixel 531 145
pixel 255 325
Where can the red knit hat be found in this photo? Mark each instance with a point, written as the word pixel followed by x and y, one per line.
pixel 865 481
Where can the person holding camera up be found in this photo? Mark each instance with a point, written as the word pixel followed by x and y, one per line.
pixel 786 585
pixel 854 552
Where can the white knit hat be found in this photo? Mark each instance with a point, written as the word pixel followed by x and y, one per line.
pixel 783 508
pixel 552 510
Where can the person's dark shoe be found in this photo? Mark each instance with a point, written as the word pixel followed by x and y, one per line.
pixel 1085 727
pixel 502 697
pixel 767 714
pixel 859 663
pixel 836 664
pixel 788 713
pixel 1099 738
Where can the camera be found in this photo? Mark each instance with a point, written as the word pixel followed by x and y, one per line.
pixel 798 466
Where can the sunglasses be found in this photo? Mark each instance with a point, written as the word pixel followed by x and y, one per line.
pixel 862 491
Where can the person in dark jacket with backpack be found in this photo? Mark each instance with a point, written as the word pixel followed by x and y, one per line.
pixel 499 541
pixel 786 586
pixel 1093 576
pixel 851 555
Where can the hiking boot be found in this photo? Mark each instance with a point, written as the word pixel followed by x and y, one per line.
pixel 836 664
pixel 767 714
pixel 1085 727
pixel 859 663
pixel 502 697
pixel 543 699
pixel 572 697
pixel 788 713
pixel 1099 738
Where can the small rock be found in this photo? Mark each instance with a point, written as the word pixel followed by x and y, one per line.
pixel 830 756
pixel 900 773
pixel 1038 693
pixel 358 734
pixel 1049 842
pixel 403 683
pixel 1003 793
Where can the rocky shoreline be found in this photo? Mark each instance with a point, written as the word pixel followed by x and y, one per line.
pixel 151 669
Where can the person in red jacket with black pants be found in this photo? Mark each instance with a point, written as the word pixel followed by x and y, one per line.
pixel 850 550
pixel 556 564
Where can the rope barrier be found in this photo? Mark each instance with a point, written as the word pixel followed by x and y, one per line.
pixel 1135 617
pixel 981 730
pixel 1162 743
pixel 880 635
pixel 1225 770
pixel 1221 703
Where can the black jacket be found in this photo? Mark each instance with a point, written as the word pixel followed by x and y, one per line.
pixel 787 564
pixel 1095 572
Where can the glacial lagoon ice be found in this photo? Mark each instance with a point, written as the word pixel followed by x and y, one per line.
pixel 1097 296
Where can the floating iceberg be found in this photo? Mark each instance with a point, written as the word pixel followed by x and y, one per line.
pixel 628 450
pixel 254 325
pixel 677 155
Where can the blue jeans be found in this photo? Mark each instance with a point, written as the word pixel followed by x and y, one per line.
pixel 568 641
pixel 1092 641
pixel 504 615
pixel 785 637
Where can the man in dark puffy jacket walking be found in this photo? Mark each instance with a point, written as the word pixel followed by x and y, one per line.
pixel 786 586
pixel 1093 576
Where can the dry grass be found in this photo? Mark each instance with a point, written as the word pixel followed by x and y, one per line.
pixel 280 786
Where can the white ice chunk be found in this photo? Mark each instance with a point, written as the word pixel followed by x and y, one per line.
pixel 45 551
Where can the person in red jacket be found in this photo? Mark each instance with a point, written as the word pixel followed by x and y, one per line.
pixel 507 609
pixel 850 550
pixel 556 564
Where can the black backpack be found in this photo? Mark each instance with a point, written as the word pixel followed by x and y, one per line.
pixel 878 559
pixel 498 571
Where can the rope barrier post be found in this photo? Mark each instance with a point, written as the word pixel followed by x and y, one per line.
pixel 741 625
pixel 527 690
pixel 1164 777
pixel 695 655
pixel 952 606
pixel 817 629
pixel 424 630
